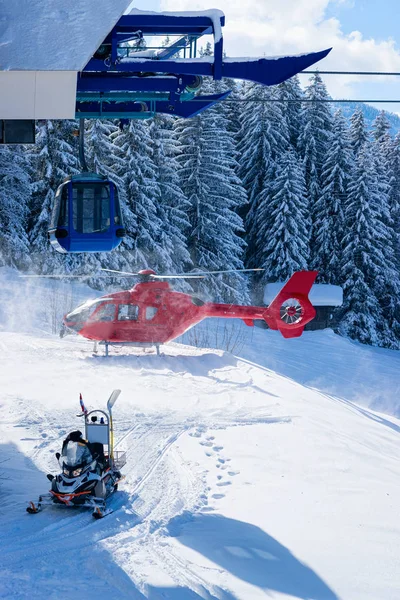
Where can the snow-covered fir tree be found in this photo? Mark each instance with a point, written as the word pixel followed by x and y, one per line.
pixel 141 247
pixel 314 141
pixel 364 259
pixel 14 207
pixel 263 137
pixel 54 157
pixel 381 128
pixel 394 194
pixel 330 205
pixel 358 131
pixel 215 193
pixel 171 203
pixel 101 152
pixel 388 285
pixel 316 134
pixel 291 94
pixel 285 229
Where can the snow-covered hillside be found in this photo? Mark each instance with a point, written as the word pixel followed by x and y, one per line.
pixel 242 481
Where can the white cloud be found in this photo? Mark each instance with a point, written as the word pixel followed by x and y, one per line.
pixel 271 27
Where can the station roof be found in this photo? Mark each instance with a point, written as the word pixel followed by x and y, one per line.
pixel 54 35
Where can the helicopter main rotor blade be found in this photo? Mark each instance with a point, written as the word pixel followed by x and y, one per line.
pixel 203 274
pixel 231 271
pixel 126 273
pixel 57 276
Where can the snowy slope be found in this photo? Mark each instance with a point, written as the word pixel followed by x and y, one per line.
pixel 320 360
pixel 240 483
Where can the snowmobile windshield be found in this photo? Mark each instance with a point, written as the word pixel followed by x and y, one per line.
pixel 76 454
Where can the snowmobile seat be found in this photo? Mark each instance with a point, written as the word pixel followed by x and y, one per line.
pixel 97 451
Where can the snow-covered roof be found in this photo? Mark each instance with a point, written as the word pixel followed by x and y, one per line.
pixel 321 294
pixel 54 35
pixel 213 14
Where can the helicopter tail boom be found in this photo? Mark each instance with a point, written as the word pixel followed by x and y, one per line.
pixel 291 309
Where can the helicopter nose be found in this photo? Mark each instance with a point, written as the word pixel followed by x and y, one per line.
pixel 72 323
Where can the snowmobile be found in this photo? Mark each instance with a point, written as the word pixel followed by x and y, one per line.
pixel 90 467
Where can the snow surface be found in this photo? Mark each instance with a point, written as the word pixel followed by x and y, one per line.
pixel 241 482
pixel 321 294
pixel 43 35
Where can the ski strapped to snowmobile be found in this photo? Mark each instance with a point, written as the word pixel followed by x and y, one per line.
pixel 90 467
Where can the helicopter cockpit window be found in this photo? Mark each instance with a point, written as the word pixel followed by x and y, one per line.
pixel 106 312
pixel 128 312
pixel 84 311
pixel 151 312
pixel 91 207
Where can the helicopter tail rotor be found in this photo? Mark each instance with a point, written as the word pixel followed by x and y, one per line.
pixel 291 310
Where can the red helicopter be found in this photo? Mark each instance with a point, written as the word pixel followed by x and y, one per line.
pixel 151 313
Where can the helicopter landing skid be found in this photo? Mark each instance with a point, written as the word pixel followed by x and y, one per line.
pixel 134 344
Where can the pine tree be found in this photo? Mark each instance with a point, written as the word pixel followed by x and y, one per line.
pixel 291 94
pixel 394 194
pixel 263 137
pixel 215 194
pixel 364 261
pixel 53 159
pixel 14 199
pixel 329 207
pixel 101 152
pixel 172 205
pixel 388 285
pixel 284 233
pixel 316 135
pixel 313 143
pixel 358 131
pixel 140 246
pixel 381 128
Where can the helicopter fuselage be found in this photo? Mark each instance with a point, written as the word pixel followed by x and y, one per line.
pixel 152 313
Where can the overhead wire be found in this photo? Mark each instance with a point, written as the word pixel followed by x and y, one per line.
pixel 326 100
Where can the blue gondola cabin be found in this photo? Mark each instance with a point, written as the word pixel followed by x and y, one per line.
pixel 86 215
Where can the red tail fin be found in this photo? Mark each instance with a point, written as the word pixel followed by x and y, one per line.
pixel 291 310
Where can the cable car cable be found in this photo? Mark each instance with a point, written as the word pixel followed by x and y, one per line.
pixel 368 73
pixel 82 158
pixel 301 100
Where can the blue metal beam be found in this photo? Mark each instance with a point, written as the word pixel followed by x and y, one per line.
pixel 267 71
pixel 127 110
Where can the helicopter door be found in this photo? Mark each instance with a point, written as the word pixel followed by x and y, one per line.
pixel 128 326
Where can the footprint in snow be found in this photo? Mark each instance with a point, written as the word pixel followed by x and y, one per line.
pixel 221 460
pixel 217 448
pixel 206 444
pixel 232 473
pixel 195 434
pixel 218 496
pixel 224 483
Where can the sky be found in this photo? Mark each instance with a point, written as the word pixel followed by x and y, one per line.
pixel 361 32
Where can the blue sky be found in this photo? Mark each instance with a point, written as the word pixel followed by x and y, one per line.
pixel 374 18
pixel 268 27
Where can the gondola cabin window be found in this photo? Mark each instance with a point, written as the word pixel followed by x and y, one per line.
pixel 91 207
